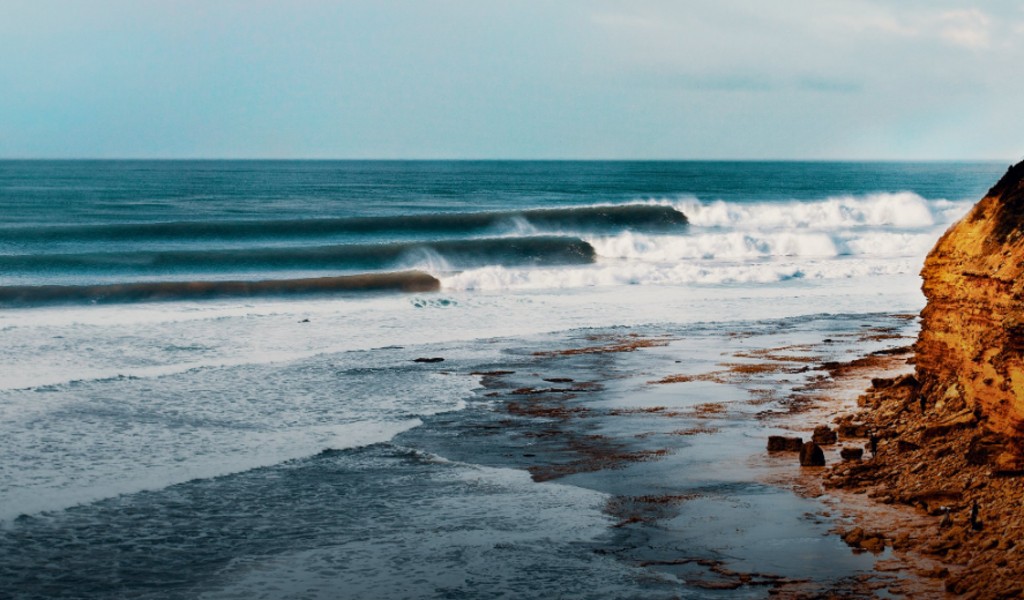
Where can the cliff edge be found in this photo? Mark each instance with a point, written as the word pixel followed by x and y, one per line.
pixel 970 352
pixel 949 440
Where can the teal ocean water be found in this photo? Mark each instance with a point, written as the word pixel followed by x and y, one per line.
pixel 171 429
pixel 476 225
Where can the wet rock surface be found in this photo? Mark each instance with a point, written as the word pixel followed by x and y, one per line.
pixel 811 455
pixel 956 480
pixel 781 443
pixel 824 435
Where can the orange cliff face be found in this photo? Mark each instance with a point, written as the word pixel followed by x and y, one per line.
pixel 970 353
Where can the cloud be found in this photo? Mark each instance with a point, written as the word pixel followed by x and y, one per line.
pixel 967 28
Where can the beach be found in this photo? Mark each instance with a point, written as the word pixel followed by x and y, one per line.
pixel 581 409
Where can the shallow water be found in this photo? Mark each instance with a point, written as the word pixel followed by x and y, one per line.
pixel 448 508
pixel 290 447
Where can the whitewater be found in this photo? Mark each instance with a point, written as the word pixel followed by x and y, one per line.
pixel 108 401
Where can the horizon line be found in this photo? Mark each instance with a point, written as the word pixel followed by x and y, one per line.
pixel 464 159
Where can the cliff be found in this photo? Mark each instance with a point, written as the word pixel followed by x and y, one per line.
pixel 970 353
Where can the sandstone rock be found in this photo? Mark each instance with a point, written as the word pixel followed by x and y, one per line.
pixel 960 420
pixel 905 446
pixel 849 453
pixel 984 448
pixel 858 538
pixel 780 443
pixel 970 352
pixel 824 435
pixel 853 430
pixel 873 544
pixel 901 381
pixel 811 455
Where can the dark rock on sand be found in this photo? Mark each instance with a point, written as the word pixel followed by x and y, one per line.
pixel 824 435
pixel 851 453
pixel 781 443
pixel 811 455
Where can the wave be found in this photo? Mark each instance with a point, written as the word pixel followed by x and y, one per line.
pixel 275 448
pixel 409 281
pixel 685 273
pixel 900 210
pixel 745 245
pixel 610 217
pixel 443 255
pixel 733 245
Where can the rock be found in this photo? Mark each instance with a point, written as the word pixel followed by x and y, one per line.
pixel 901 381
pixel 960 420
pixel 905 446
pixel 811 455
pixel 934 573
pixel 849 453
pixel 970 351
pixel 435 359
pixel 780 443
pixel 984 448
pixel 873 544
pixel 824 435
pixel 858 538
pixel 853 537
pixel 853 430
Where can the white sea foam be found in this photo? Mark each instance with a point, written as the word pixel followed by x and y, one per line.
pixel 138 429
pixel 703 273
pixel 901 209
pixel 733 245
pixel 128 435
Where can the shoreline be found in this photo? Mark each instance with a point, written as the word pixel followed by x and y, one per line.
pixel 653 436
pixel 942 472
pixel 694 498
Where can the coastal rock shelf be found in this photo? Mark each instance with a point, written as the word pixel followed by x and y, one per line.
pixel 970 354
pixel 950 440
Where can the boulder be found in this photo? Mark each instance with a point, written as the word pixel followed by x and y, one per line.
pixel 811 455
pixel 781 443
pixel 851 453
pixel 824 435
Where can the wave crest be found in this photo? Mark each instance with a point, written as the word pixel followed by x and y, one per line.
pixel 900 209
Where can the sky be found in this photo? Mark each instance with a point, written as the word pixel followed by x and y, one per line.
pixel 527 79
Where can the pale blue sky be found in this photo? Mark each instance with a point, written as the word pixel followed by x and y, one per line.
pixel 635 79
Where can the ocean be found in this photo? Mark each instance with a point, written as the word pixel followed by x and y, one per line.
pixel 304 379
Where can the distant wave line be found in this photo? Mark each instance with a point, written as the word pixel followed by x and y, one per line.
pixel 405 281
pixel 592 218
pixel 534 250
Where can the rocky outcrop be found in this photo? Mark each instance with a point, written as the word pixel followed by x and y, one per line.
pixel 970 353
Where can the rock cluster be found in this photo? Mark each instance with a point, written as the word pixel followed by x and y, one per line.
pixel 949 440
pixel 956 478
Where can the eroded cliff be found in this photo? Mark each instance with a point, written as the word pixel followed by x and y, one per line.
pixel 970 353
